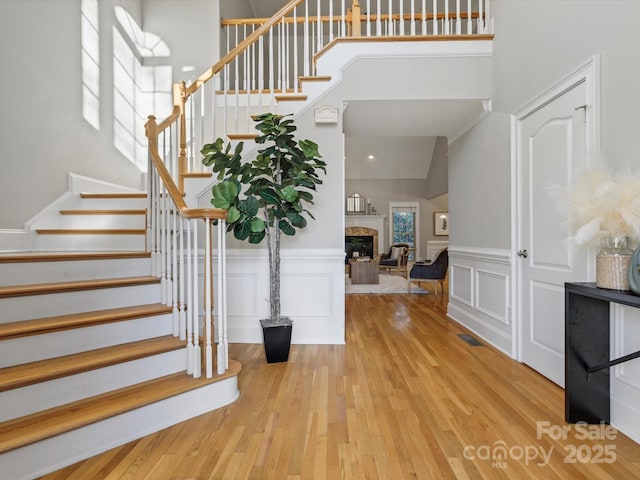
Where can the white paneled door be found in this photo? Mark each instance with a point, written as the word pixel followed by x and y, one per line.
pixel 551 148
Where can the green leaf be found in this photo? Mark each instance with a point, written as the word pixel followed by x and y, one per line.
pixel 249 206
pixel 270 197
pixel 286 228
pixel 289 194
pixel 224 194
pixel 257 237
pixel 296 219
pixel 233 215
pixel 257 225
pixel 242 230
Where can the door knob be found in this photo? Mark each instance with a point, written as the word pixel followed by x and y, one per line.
pixel 523 253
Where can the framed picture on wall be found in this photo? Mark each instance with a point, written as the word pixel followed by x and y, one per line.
pixel 441 223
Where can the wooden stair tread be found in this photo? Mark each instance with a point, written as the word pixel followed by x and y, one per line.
pixel 242 136
pixel 197 175
pixel 315 78
pixel 290 98
pixel 114 195
pixel 75 285
pixel 50 369
pixel 42 425
pixel 104 212
pixel 78 320
pixel 24 257
pixel 91 231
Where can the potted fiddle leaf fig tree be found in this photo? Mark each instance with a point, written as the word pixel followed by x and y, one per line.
pixel 265 198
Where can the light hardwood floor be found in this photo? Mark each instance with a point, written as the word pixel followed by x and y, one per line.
pixel 405 398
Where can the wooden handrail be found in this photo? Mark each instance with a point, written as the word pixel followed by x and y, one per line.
pixel 151 128
pixel 335 18
pixel 253 37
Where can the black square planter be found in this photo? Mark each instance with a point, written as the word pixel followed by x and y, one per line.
pixel 277 341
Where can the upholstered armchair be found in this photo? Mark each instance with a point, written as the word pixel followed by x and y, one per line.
pixel 396 259
pixel 434 271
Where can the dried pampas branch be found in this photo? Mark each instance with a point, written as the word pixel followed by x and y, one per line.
pixel 600 205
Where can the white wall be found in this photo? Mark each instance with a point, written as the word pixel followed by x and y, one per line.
pixel 44 136
pixel 529 57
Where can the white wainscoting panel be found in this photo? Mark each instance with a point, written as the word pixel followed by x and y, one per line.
pixel 625 378
pixel 492 292
pixel 479 293
pixel 312 294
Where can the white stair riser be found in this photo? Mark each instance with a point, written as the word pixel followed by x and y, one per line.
pixel 17 351
pixel 91 243
pixel 55 453
pixel 63 271
pixel 33 398
pixel 94 221
pixel 109 204
pixel 30 307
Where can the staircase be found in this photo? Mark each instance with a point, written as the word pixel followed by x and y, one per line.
pixel 89 357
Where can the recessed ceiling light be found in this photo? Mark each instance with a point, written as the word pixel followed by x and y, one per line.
pixel 371 157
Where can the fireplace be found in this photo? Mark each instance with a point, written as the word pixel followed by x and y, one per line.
pixel 365 242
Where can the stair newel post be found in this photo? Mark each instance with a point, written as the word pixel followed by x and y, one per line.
pixel 208 300
pixel 189 298
pixel 180 98
pixel 151 130
pixel 356 14
pixel 182 320
pixel 195 314
pixel 223 343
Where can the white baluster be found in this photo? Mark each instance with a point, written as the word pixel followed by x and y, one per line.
pixel 401 21
pixel 296 87
pixel 197 359
pixel 223 344
pixel 189 296
pixel 271 66
pixel 330 21
pixel 167 249
pixel 480 24
pixel 155 259
pixel 236 118
pixel 469 18
pixel 378 21
pixel 247 86
pixel 343 18
pixel 260 72
pixel 447 30
pixel 458 20
pixel 368 18
pixel 305 36
pixel 390 21
pixel 488 24
pixel 163 247
pixel 435 17
pixel 319 27
pixel 182 316
pixel 424 17
pixel 413 18
pixel 174 270
pixel 207 300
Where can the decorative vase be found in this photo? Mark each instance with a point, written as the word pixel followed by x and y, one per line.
pixel 612 263
pixel 633 273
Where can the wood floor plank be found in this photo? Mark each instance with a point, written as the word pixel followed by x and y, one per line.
pixel 405 398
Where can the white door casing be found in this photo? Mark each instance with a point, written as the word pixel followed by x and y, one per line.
pixel 553 135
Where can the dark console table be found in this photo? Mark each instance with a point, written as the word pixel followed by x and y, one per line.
pixel 587 354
